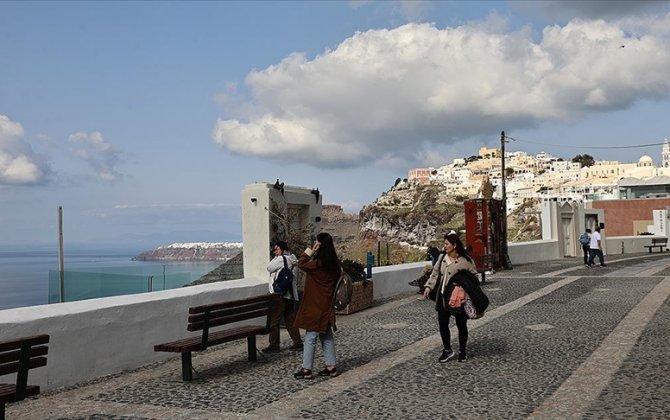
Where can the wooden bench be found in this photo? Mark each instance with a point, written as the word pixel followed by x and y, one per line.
pixel 17 356
pixel 206 317
pixel 659 243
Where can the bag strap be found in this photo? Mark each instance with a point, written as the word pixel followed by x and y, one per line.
pixel 439 270
pixel 286 267
pixel 337 283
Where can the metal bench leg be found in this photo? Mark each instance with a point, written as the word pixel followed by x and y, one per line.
pixel 251 348
pixel 186 366
pixel 2 411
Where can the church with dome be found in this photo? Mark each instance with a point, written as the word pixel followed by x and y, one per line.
pixel 646 180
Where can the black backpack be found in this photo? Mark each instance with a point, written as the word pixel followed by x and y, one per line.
pixel 284 281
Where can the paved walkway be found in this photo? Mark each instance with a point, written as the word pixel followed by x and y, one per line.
pixel 559 341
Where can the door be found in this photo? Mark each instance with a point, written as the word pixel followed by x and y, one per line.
pixel 568 237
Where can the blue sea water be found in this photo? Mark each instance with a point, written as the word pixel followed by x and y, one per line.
pixel 24 275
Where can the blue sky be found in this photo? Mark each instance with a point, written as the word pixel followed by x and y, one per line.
pixel 145 120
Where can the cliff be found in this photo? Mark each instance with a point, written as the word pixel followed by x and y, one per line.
pixel 416 214
pixel 194 251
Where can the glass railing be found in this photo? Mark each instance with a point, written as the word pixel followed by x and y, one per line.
pixel 116 281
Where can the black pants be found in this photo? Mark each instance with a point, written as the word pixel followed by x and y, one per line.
pixel 596 253
pixel 461 323
pixel 585 248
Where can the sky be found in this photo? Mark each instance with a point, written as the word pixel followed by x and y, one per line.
pixel 145 120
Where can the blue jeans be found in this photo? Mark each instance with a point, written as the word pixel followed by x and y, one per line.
pixel 327 345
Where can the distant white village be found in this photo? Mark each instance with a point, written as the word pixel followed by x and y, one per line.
pixel 544 176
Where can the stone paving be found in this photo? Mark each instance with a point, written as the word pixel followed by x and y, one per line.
pixel 559 341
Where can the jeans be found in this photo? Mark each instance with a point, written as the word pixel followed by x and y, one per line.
pixel 327 345
pixel 599 253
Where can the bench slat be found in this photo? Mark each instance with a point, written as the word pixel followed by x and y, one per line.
pixel 16 344
pixel 220 313
pixel 8 392
pixel 233 303
pixel 13 356
pixel 195 326
pixel 219 337
pixel 14 367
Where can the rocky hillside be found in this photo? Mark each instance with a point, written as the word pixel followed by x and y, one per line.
pixel 416 214
pixel 420 214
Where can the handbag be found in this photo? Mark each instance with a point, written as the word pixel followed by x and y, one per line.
pixel 470 310
pixel 457 297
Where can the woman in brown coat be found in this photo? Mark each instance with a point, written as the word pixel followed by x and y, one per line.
pixel 316 314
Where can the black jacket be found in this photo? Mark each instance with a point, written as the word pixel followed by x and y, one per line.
pixel 470 283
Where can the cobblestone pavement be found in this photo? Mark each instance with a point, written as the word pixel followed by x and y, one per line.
pixel 559 341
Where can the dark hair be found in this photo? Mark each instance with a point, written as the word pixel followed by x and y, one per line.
pixel 282 245
pixel 326 255
pixel 433 252
pixel 588 230
pixel 460 249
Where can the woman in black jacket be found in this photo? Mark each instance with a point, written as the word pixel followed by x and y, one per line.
pixel 442 279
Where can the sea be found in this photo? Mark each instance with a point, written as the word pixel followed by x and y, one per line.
pixel 24 274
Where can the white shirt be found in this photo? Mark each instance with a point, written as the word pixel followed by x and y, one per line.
pixel 595 238
pixel 275 266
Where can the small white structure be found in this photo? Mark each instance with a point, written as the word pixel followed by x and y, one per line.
pixel 267 211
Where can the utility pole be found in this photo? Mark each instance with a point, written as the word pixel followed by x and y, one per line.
pixel 61 265
pixel 502 170
pixel 505 255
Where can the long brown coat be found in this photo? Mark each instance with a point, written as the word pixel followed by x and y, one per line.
pixel 316 309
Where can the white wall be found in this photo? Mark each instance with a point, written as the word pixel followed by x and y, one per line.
pixel 393 279
pixel 97 337
pixel 630 244
pixel 532 251
pixel 256 231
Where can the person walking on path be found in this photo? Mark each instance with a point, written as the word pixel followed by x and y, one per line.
pixel 283 305
pixel 317 314
pixel 596 248
pixel 450 294
pixel 585 241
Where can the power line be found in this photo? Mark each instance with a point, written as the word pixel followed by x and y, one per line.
pixel 636 146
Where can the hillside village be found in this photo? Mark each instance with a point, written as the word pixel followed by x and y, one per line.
pixel 546 177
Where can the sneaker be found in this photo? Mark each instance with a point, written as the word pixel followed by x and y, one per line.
pixel 603 265
pixel 462 357
pixel 271 349
pixel 303 374
pixel 589 266
pixel 446 356
pixel 329 372
pixel 296 347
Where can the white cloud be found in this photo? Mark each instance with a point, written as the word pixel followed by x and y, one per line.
pixel 383 94
pixel 98 154
pixel 19 165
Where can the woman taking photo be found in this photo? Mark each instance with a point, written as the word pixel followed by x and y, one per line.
pixel 316 314
pixel 455 258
